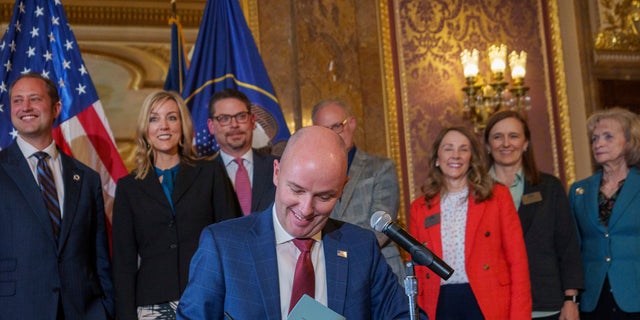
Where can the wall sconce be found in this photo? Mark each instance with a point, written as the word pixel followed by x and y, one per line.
pixel 481 101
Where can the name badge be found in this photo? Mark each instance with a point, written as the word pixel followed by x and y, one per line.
pixel 532 197
pixel 432 220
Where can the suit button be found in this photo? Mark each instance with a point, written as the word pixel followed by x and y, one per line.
pixel 607 259
pixel 173 246
pixel 56 290
pixel 428 276
pixel 606 235
pixel 487 234
pixel 171 224
pixel 486 267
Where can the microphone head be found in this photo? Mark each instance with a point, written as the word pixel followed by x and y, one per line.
pixel 380 220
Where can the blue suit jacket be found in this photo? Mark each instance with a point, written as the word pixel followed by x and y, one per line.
pixel 35 273
pixel 235 270
pixel 612 251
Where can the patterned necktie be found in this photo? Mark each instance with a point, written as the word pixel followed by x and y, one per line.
pixel 49 193
pixel 243 187
pixel 304 280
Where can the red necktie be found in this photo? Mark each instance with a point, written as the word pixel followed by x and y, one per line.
pixel 304 280
pixel 243 187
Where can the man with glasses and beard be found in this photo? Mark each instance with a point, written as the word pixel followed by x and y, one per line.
pixel 251 171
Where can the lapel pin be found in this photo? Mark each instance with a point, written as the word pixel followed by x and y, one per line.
pixel 76 177
pixel 579 191
pixel 342 254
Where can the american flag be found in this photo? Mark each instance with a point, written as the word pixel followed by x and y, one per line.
pixel 39 39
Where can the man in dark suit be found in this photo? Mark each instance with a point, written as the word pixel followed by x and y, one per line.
pixel 246 268
pixel 373 181
pixel 54 256
pixel 232 123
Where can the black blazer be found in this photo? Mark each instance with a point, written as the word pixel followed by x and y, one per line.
pixel 263 191
pixel 549 230
pixel 143 226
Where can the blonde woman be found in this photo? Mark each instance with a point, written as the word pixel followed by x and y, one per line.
pixel 161 208
pixel 605 206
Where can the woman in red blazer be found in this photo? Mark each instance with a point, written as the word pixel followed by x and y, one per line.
pixel 473 225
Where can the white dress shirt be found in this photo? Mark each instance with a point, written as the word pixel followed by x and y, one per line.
pixel 232 166
pixel 288 257
pixel 54 162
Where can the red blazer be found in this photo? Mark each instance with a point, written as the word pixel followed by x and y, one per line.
pixel 495 256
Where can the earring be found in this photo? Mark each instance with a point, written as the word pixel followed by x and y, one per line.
pixel 437 164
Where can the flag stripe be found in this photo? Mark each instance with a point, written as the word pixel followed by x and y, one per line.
pixel 96 132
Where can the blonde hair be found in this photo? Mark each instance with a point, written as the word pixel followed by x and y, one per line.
pixel 478 177
pixel 630 124
pixel 144 152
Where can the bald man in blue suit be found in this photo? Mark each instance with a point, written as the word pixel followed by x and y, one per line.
pixel 243 267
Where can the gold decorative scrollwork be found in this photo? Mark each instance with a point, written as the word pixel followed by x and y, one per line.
pixel 620 25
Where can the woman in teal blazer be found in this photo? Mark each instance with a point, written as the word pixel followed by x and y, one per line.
pixel 605 206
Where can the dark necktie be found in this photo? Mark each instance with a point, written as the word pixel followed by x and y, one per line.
pixel 304 280
pixel 243 187
pixel 48 190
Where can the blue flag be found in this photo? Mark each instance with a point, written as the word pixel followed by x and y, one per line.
pixel 178 64
pixel 39 39
pixel 226 56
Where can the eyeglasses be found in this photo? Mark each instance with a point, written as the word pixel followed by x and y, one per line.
pixel 339 127
pixel 225 119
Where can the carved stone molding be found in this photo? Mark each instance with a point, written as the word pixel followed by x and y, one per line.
pixel 110 13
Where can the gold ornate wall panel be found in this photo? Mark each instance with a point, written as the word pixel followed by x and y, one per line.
pixel 431 35
pixel 336 55
pixel 610 44
pixel 327 60
pixel 334 49
pixel 618 25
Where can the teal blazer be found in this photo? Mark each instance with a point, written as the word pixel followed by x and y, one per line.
pixel 612 252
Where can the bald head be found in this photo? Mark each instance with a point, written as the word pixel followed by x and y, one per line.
pixel 334 114
pixel 309 179
pixel 315 142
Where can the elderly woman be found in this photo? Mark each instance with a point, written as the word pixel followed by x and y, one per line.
pixel 160 210
pixel 549 230
pixel 605 207
pixel 473 225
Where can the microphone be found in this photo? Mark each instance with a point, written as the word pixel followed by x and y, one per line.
pixel 381 222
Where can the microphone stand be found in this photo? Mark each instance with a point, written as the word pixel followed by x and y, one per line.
pixel 411 290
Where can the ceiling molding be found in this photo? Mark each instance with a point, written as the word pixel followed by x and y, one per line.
pixel 115 13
